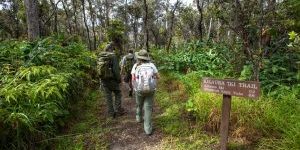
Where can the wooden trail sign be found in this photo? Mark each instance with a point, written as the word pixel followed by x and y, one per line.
pixel 248 89
pixel 228 88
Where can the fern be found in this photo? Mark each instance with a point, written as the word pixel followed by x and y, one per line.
pixel 18 119
pixel 35 72
pixel 37 81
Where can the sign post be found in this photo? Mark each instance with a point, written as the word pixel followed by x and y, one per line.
pixel 229 88
pixel 226 106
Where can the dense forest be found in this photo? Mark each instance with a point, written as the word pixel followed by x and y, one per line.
pixel 49 88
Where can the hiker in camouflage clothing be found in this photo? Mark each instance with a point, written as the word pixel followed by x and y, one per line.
pixel 109 72
pixel 126 65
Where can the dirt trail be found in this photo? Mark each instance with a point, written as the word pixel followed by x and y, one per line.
pixel 127 134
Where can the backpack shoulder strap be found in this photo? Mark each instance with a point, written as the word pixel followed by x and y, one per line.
pixel 138 67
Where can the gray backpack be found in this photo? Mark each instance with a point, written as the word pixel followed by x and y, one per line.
pixel 145 82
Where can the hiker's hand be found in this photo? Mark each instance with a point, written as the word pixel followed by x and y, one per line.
pixel 156 76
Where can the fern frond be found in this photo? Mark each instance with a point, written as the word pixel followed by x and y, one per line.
pixel 34 72
pixel 18 118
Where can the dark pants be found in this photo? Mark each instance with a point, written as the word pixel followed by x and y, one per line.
pixel 111 86
pixel 127 79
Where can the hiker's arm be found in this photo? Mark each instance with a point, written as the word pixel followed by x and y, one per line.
pixel 133 72
pixel 156 74
pixel 116 69
pixel 122 65
pixel 122 70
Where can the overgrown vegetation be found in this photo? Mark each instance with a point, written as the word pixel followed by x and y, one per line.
pixel 176 121
pixel 271 122
pixel 38 83
pixel 206 58
pixel 86 128
pixel 242 39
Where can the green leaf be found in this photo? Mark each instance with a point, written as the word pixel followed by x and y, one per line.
pixel 275 68
pixel 292 35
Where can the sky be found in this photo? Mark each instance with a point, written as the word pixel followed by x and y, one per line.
pixel 186 2
pixel 1 7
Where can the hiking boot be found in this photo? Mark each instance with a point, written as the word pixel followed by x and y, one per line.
pixel 112 116
pixel 139 120
pixel 121 112
pixel 149 134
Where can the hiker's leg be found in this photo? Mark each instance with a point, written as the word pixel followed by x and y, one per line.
pixel 130 86
pixel 115 88
pixel 148 107
pixel 109 100
pixel 139 106
pixel 118 97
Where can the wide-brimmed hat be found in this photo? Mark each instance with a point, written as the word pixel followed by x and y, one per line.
pixel 142 54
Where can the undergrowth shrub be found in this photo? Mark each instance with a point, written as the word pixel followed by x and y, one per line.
pixel 281 70
pixel 268 122
pixel 38 83
pixel 205 58
pixel 272 122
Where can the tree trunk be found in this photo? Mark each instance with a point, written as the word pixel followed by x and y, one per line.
pixel 256 63
pixel 75 16
pixel 228 35
pixel 86 25
pixel 211 20
pixel 126 25
pixel 156 37
pixel 200 10
pixel 218 30
pixel 32 17
pixel 166 23
pixel 93 19
pixel 101 19
pixel 172 25
pixel 67 16
pixel 107 12
pixel 240 24
pixel 209 28
pixel 146 30
pixel 55 16
pixel 15 7
pixel 135 32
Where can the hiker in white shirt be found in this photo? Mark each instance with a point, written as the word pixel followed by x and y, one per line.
pixel 144 76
